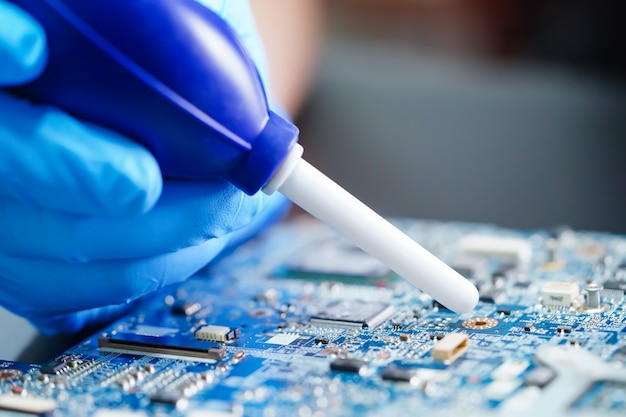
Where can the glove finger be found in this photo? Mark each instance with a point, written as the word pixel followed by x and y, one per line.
pixel 94 318
pixel 23 50
pixel 49 159
pixel 72 323
pixel 187 214
pixel 35 287
pixel 276 209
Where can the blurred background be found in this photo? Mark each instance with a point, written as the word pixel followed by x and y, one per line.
pixel 507 112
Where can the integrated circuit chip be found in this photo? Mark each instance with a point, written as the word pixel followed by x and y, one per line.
pixel 355 366
pixel 352 314
pixel 338 260
pixel 399 374
pixel 53 367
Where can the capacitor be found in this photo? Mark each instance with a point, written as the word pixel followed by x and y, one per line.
pixel 593 301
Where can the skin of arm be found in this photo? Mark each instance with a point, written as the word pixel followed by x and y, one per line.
pixel 292 33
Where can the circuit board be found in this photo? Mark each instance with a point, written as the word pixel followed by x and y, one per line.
pixel 299 322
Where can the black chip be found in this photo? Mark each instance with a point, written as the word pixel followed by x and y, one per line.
pixel 504 311
pixel 354 366
pixel 321 341
pixel 185 308
pixel 564 329
pixel 492 296
pixel 539 377
pixel 436 336
pixel 528 328
pixel 466 271
pixel 53 367
pixel 614 284
pixel 173 398
pixel 397 374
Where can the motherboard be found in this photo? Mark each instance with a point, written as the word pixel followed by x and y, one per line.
pixel 300 322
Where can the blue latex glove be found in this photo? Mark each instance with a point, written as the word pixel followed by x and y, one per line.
pixel 87 225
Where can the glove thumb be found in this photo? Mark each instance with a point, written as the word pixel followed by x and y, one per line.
pixel 23 51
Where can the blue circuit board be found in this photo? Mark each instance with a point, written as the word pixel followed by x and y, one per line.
pixel 299 322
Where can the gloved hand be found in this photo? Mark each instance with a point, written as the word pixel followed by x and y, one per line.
pixel 87 224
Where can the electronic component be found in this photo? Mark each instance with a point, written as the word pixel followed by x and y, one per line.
pixel 7 375
pixel 508 249
pixel 564 329
pixel 450 347
pixel 479 323
pixel 352 314
pixel 593 301
pixel 161 345
pixel 337 260
pixel 214 333
pixel 54 367
pixel 170 397
pixel 614 284
pixel 492 295
pixel 355 366
pixel 559 294
pixel 464 270
pixel 469 266
pixel 33 406
pixel 398 374
pixel 185 308
pixel 539 377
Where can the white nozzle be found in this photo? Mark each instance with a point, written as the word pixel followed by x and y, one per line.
pixel 314 192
